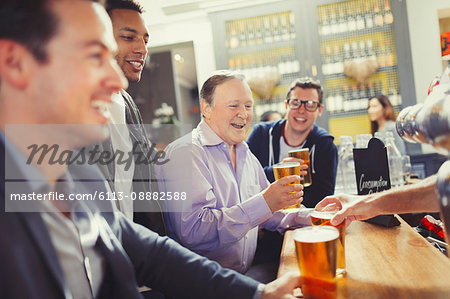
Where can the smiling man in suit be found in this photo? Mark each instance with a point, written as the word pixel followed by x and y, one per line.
pixel 57 76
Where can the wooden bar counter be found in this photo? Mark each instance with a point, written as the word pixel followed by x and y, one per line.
pixel 384 263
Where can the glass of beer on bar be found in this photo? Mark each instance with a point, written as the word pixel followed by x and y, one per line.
pixel 280 170
pixel 316 248
pixel 303 154
pixel 319 218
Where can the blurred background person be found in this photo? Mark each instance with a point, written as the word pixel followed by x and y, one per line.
pixel 271 115
pixel 382 119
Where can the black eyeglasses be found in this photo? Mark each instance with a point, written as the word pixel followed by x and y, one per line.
pixel 310 105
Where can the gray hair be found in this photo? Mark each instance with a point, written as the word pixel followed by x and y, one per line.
pixel 219 77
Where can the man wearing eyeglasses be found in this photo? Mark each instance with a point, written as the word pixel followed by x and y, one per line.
pixel 270 142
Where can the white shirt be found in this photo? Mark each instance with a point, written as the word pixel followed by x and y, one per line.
pixel 285 148
pixel 121 141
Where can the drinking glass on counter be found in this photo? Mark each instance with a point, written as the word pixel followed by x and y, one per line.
pixel 319 218
pixel 406 168
pixel 280 170
pixel 317 252
pixel 303 154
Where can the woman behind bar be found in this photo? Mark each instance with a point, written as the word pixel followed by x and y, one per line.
pixel 382 119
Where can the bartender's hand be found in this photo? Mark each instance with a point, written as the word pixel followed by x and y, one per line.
pixel 280 195
pixel 303 166
pixel 282 288
pixel 351 207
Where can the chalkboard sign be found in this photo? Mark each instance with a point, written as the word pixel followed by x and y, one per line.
pixel 372 175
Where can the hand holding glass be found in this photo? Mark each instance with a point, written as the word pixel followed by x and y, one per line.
pixel 316 248
pixel 283 169
pixel 303 154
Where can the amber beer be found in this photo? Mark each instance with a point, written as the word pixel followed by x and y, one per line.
pixel 316 248
pixel 283 169
pixel 303 154
pixel 324 218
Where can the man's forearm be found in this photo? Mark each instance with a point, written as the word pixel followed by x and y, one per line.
pixel 419 197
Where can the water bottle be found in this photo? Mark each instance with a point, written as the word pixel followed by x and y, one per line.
pixel 395 160
pixel 346 165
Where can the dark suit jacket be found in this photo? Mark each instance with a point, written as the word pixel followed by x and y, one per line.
pixel 133 256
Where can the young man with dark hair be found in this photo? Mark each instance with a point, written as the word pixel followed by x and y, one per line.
pixel 136 179
pixel 270 142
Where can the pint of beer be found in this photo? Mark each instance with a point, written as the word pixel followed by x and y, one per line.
pixel 324 218
pixel 280 170
pixel 303 154
pixel 316 248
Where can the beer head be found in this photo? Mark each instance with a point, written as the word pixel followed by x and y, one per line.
pixel 315 234
pixel 325 215
pixel 302 153
pixel 283 169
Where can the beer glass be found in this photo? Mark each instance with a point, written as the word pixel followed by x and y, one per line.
pixel 303 154
pixel 316 248
pixel 324 218
pixel 283 169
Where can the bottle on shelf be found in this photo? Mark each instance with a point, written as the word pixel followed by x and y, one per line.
pixel 354 103
pixel 292 26
pixel 242 34
pixel 284 28
pixel 234 39
pixel 360 24
pixel 245 68
pixel 295 64
pixel 253 70
pixel 339 100
pixel 334 26
pixel 251 38
pixel 347 98
pixel 393 94
pixel 325 30
pixel 362 49
pixel 288 64
pixel 327 61
pixel 378 19
pixel 259 36
pixel 355 52
pixel 238 64
pixel 231 64
pixel 351 20
pixel 346 164
pixel 389 56
pixel 388 17
pixel 281 65
pixel 267 32
pixel 370 90
pixel 381 57
pixel 369 49
pixel 368 18
pixel 395 160
pixel 347 52
pixel 338 64
pixel 342 21
pixel 363 98
pixel 276 30
pixel 331 101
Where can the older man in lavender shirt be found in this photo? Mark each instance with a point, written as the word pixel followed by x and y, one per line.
pixel 227 194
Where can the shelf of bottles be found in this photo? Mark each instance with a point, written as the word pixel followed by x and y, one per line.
pixel 361 33
pixel 264 46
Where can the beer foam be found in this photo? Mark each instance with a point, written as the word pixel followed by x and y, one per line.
pixel 314 234
pixel 286 164
pixel 323 215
